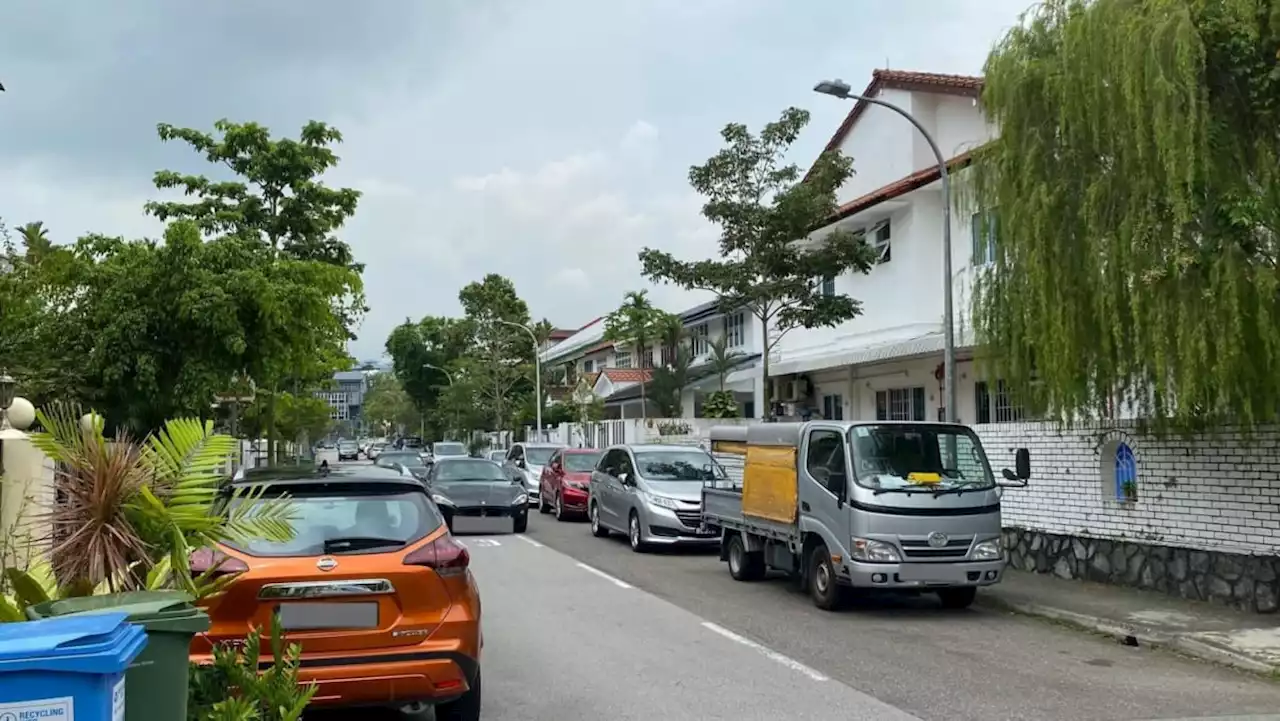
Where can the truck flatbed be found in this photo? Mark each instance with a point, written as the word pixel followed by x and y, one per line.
pixel 722 508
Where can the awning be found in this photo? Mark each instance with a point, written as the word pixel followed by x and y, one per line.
pixel 844 355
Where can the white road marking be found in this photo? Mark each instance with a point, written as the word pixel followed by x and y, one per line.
pixel 529 541
pixel 768 653
pixel 617 582
pixel 481 542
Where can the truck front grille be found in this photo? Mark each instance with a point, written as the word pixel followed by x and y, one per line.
pixel 920 550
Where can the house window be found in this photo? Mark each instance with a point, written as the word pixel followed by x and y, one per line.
pixel 900 404
pixel 983 228
pixel 833 407
pixel 997 407
pixel 698 340
pixel 829 285
pixel 880 241
pixel 588 366
pixel 622 359
pixel 1119 471
pixel 735 329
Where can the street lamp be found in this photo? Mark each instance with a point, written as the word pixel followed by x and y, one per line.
pixel 448 375
pixel 537 366
pixel 840 89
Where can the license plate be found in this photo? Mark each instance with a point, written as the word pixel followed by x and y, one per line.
pixel 931 573
pixel 328 616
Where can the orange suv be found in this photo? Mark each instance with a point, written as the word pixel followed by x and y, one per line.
pixel 373 587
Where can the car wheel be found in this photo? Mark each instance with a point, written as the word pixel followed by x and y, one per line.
pixel 826 593
pixel 543 506
pixel 958 597
pixel 466 708
pixel 744 566
pixel 597 529
pixel 634 535
pixel 560 514
pixel 522 523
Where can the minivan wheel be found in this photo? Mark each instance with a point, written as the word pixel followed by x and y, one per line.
pixel 744 566
pixel 826 593
pixel 597 529
pixel 633 533
pixel 466 708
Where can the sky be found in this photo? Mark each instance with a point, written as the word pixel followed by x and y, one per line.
pixel 545 140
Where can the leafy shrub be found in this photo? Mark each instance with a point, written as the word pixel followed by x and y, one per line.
pixel 720 404
pixel 233 688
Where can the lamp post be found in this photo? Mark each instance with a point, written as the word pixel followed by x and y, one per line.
pixel 448 375
pixel 537 367
pixel 840 89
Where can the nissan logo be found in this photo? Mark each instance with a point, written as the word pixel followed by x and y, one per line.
pixel 938 540
pixel 328 563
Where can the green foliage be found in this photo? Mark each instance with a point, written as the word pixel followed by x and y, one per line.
pixel 386 404
pixel 763 209
pixel 131 513
pixel 723 359
pixel 499 362
pixel 720 404
pixel 418 351
pixel 666 389
pixel 235 688
pixel 1138 195
pixel 639 326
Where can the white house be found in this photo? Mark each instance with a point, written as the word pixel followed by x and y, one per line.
pixel 1196 518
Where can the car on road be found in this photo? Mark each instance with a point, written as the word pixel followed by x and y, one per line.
pixel 477 488
pixel 565 481
pixel 448 449
pixel 653 494
pixel 348 451
pixel 373 450
pixel 497 455
pixel 526 461
pixel 372 586
pixel 409 461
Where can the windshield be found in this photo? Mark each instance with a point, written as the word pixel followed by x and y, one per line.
pixel 538 456
pixel 449 449
pixel 677 466
pixel 470 470
pixel 918 457
pixel 581 462
pixel 330 520
pixel 408 460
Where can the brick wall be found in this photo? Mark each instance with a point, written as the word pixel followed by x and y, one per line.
pixel 1209 494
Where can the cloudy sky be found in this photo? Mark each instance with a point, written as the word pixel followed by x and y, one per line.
pixel 547 140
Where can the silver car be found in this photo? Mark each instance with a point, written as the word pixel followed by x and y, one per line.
pixel 525 461
pixel 653 494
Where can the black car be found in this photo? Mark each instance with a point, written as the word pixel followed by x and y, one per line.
pixel 477 488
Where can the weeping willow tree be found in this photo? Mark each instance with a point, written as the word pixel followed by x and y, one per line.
pixel 1135 187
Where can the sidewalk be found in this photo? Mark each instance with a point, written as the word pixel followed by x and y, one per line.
pixel 1214 633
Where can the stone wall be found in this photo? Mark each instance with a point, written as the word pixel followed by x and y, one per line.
pixel 1246 582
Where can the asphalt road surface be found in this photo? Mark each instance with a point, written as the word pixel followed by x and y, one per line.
pixel 580 628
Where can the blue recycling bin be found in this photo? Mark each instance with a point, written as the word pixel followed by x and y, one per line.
pixel 67 669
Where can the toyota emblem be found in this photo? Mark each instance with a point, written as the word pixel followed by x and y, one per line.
pixel 938 540
pixel 328 563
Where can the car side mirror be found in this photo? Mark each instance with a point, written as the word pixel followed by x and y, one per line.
pixel 520 463
pixel 624 478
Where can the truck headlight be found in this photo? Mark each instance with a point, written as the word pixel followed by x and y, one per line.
pixel 991 550
pixel 869 551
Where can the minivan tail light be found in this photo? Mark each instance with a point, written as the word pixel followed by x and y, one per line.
pixel 445 555
pixel 215 563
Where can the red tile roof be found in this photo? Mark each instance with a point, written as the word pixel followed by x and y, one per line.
pixel 900 187
pixel 627 375
pixel 560 334
pixel 969 86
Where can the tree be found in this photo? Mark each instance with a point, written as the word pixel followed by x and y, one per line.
pixel 418 351
pixel 1136 190
pixel 499 362
pixel 638 325
pixel 768 262
pixel 279 202
pixel 35 239
pixel 671 376
pixel 387 406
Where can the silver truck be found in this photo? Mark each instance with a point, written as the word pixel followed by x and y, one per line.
pixel 844 505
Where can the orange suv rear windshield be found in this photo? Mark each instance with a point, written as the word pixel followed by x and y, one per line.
pixel 333 518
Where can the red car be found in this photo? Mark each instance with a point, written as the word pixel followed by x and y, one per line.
pixel 563 485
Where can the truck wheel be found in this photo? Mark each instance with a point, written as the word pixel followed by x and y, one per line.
pixel 744 566
pixel 827 594
pixel 958 597
pixel 597 528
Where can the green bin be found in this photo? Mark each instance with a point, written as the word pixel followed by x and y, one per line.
pixel 157 680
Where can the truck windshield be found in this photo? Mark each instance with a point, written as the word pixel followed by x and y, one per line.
pixel 905 456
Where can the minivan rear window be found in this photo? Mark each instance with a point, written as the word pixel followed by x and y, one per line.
pixel 345 518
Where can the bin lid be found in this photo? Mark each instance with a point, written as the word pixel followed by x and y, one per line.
pixel 102 643
pixel 156 611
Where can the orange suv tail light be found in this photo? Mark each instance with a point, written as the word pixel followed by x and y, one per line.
pixel 445 555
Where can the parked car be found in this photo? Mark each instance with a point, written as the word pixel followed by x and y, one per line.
pixel 409 443
pixel 373 585
pixel 497 455
pixel 653 494
pixel 477 488
pixel 348 451
pixel 448 449
pixel 565 482
pixel 374 449
pixel 526 461
pixel 410 461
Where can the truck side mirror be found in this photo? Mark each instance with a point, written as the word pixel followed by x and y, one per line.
pixel 1022 464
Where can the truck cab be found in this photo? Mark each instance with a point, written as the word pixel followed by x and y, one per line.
pixel 901 506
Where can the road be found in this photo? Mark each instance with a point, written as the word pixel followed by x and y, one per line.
pixel 580 628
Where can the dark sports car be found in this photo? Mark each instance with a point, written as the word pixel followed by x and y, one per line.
pixel 477 488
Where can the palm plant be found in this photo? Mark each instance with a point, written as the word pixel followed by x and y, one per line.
pixel 638 324
pixel 721 403
pixel 128 514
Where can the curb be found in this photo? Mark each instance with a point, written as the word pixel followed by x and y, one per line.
pixel 1132 635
